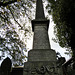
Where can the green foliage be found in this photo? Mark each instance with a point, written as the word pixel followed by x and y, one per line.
pixel 12 46
pixel 63 16
pixel 14 15
pixel 15 10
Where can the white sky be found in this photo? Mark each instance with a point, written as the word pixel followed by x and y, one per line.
pixel 54 45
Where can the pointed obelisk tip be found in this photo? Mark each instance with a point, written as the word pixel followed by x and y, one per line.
pixel 39 10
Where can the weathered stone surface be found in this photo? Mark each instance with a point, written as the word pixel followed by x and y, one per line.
pixel 42 55
pixel 41 40
pixel 40 22
pixel 41 68
pixel 39 10
pixel 41 59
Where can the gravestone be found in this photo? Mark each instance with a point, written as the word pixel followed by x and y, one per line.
pixel 6 66
pixel 41 59
pixel 0 70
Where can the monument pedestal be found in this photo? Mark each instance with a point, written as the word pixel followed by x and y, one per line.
pixel 42 62
pixel 40 68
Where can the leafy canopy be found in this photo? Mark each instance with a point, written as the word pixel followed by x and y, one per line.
pixel 63 16
pixel 14 15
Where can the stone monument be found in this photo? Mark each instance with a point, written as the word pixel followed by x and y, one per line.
pixel 41 59
pixel 6 66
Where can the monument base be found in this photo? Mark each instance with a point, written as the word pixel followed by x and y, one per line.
pixel 42 55
pixel 41 68
pixel 42 62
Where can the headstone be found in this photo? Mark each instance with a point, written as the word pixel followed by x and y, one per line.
pixel 6 66
pixel 0 70
pixel 41 59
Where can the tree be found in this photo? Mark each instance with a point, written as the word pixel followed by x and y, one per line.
pixel 12 13
pixel 13 47
pixel 14 9
pixel 63 12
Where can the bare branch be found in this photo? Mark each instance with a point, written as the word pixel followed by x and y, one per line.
pixel 7 3
pixel 25 11
pixel 14 17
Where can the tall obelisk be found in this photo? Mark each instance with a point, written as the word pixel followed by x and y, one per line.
pixel 41 59
pixel 40 28
pixel 41 47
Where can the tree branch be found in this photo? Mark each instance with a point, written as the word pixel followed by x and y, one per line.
pixel 14 17
pixel 25 11
pixel 7 3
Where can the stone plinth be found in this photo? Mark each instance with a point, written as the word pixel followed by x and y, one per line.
pixel 42 55
pixel 41 68
pixel 38 68
pixel 42 62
